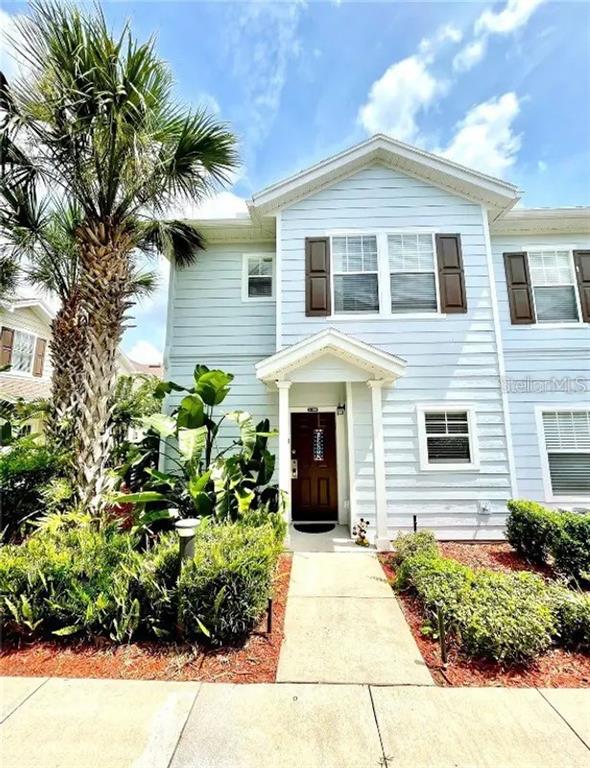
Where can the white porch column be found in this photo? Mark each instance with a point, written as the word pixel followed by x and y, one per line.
pixel 381 540
pixel 285 444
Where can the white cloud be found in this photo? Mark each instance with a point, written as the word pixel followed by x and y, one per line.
pixel 515 14
pixel 395 100
pixel 11 64
pixel 448 33
pixel 224 205
pixel 145 352
pixel 485 137
pixel 469 56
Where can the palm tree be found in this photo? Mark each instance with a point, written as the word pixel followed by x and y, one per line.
pixel 105 131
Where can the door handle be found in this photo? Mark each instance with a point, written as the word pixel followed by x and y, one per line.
pixel 294 469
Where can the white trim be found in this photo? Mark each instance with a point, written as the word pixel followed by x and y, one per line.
pixel 340 437
pixel 169 318
pixel 352 500
pixel 279 287
pixel 500 356
pixel 377 363
pixel 245 278
pixel 285 445
pixel 381 539
pixel 448 407
pixel 542 221
pixel 544 454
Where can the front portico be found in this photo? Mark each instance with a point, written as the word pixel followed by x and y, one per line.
pixel 325 469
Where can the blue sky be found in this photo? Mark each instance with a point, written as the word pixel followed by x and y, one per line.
pixel 504 87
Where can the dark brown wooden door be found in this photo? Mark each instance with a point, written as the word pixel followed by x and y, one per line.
pixel 314 486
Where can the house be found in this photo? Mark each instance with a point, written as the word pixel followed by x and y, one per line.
pixel 422 344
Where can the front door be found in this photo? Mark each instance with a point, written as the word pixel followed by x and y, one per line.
pixel 314 490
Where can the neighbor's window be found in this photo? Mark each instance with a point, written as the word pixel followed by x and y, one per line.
pixel 356 281
pixel 567 442
pixel 411 273
pixel 554 286
pixel 447 439
pixel 23 350
pixel 258 277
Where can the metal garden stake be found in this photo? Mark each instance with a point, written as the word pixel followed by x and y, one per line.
pixel 441 633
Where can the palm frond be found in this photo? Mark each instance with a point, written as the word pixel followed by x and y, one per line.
pixel 175 239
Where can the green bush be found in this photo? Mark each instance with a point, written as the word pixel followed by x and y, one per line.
pixel 25 470
pixel 409 544
pixel 502 617
pixel 223 593
pixel 531 528
pixel 572 614
pixel 571 546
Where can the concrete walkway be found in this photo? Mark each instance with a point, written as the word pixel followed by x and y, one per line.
pixel 344 625
pixel 131 724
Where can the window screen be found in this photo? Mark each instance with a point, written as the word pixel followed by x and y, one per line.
pixel 259 277
pixel 447 437
pixel 554 286
pixel 22 352
pixel 356 281
pixel 411 273
pixel 567 440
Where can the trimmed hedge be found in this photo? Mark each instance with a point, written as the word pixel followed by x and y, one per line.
pixel 76 575
pixel 506 617
pixel 409 544
pixel 539 533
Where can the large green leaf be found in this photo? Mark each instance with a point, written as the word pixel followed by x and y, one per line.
pixel 165 387
pixel 161 423
pixel 191 412
pixel 247 431
pixel 143 497
pixel 213 386
pixel 192 442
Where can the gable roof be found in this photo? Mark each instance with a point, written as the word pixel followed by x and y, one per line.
pixel 499 196
pixel 530 221
pixel 378 364
pixel 38 306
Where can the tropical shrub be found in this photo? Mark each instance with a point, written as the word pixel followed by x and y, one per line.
pixel 224 591
pixel 205 480
pixel 409 544
pixel 498 616
pixel 571 546
pixel 530 529
pixel 27 473
pixel 572 613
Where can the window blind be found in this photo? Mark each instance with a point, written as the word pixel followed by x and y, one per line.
pixel 447 438
pixel 567 440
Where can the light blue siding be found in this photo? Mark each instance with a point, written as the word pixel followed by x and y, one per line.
pixel 543 365
pixel 452 359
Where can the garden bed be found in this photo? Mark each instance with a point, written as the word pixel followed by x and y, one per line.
pixel 558 668
pixel 253 662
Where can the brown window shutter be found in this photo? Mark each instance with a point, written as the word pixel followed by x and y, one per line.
pixel 450 274
pixel 582 265
pixel 317 276
pixel 6 346
pixel 39 359
pixel 520 296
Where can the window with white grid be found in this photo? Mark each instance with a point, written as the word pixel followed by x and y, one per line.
pixel 554 286
pixel 567 442
pixel 258 276
pixel 356 274
pixel 412 273
pixel 23 350
pixel 447 438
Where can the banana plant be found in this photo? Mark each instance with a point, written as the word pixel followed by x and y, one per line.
pixel 200 480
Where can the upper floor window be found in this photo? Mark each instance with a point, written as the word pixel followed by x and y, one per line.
pixel 412 273
pixel 566 437
pixel 23 352
pixel 356 274
pixel 554 286
pixel 447 438
pixel 258 277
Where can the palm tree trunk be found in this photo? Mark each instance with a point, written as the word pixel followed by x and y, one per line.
pixel 67 349
pixel 105 271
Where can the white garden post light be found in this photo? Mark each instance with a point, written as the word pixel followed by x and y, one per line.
pixel 187 530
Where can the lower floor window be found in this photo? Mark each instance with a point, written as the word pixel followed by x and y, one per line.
pixel 447 439
pixel 567 445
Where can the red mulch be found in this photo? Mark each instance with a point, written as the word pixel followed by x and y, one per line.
pixel 556 669
pixel 254 662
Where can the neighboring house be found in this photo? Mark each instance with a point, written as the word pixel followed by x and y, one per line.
pixel 423 348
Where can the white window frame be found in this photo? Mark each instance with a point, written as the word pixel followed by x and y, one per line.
pixel 563 323
pixel 544 453
pixel 383 273
pixel 425 465
pixel 333 274
pixel 29 373
pixel 257 299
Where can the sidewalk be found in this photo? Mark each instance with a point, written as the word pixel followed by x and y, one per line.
pixel 131 724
